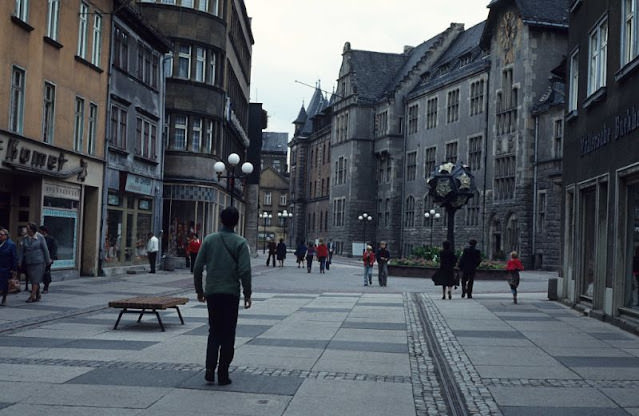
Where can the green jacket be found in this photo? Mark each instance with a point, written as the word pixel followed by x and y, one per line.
pixel 228 262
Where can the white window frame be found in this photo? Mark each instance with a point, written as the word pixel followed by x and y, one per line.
pixel 22 10
pixel 214 7
pixel 182 125
pixel 92 128
pixel 211 76
pixel 188 3
pixel 184 55
pixel 83 27
pixel 573 93
pixel 196 135
pixel 96 49
pixel 283 199
pixel 16 109
pixel 119 117
pixel 597 56
pixel 78 124
pixel 53 18
pixel 48 112
pixel 203 5
pixel 200 64
pixel 268 198
pixel 629 41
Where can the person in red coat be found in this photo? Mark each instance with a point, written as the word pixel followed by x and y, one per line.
pixel 322 255
pixel 193 248
pixel 514 266
pixel 369 262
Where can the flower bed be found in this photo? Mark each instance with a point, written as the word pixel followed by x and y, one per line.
pixel 426 272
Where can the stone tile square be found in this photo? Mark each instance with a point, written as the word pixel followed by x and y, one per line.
pixel 624 397
pixel 263 356
pixel 488 334
pixel 364 362
pixel 607 373
pixel 96 396
pixel 599 361
pixel 283 342
pixel 534 318
pixel 40 373
pixel 507 356
pixel 382 304
pixel 133 377
pixel 371 335
pixel 612 336
pixel 318 310
pixel 562 411
pixel 23 409
pixel 476 325
pixel 560 397
pixel 262 316
pixel 374 325
pixel 248 383
pixel 353 398
pixel 526 372
pixel 32 342
pixel 104 344
pixel 495 342
pixel 368 346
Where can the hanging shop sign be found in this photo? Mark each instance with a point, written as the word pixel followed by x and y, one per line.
pixel 138 184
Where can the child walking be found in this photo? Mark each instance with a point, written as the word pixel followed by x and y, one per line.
pixel 514 266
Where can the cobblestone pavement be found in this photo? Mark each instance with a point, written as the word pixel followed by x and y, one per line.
pixel 316 345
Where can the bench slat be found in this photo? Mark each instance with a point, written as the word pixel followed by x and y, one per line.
pixel 148 302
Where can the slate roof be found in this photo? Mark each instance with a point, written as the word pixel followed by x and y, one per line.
pixel 274 142
pixel 317 104
pixel 412 59
pixel 373 71
pixel 555 95
pixel 540 12
pixel 301 117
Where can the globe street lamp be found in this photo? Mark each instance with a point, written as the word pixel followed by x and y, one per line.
pixel 284 216
pixel 266 216
pixel 233 161
pixel 365 218
pixel 451 186
pixel 431 215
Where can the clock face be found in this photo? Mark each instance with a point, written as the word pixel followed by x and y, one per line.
pixel 507 34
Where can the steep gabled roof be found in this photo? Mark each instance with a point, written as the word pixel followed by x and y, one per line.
pixel 412 59
pixel 317 104
pixel 301 116
pixel 372 72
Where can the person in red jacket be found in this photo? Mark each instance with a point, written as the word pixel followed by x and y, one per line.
pixel 322 255
pixel 193 248
pixel 514 266
pixel 369 262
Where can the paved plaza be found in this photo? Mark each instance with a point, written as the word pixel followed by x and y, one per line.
pixel 315 345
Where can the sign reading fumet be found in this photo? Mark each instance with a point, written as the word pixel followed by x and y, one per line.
pixel 21 157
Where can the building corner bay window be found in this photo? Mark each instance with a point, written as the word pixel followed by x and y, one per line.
pixel 129 220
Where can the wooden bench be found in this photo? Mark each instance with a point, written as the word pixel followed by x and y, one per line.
pixel 147 304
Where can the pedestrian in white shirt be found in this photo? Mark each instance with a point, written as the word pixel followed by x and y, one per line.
pixel 152 250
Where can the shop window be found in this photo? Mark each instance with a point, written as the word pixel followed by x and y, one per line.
pixel 632 277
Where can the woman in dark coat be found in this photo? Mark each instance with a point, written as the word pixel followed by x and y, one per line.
pixel 445 276
pixel 280 252
pixel 300 253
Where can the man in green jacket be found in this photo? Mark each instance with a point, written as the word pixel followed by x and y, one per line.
pixel 227 260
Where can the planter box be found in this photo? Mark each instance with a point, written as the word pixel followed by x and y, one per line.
pixel 427 272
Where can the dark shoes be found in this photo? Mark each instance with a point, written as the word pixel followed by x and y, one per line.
pixel 450 296
pixel 223 376
pixel 210 375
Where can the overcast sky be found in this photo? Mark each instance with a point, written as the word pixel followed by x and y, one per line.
pixel 303 40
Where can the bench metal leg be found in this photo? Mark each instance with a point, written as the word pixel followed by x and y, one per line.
pixel 159 319
pixel 140 317
pixel 179 314
pixel 119 317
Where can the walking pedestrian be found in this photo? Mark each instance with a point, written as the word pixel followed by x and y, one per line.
pixel 383 255
pixel 8 263
pixel 445 276
pixel 300 253
pixel 331 250
pixel 193 248
pixel 52 245
pixel 514 266
pixel 272 251
pixel 310 254
pixel 35 256
pixel 228 266
pixel 369 262
pixel 280 251
pixel 152 247
pixel 468 262
pixel 322 255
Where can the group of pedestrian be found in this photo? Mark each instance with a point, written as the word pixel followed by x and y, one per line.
pixel 276 252
pixel 381 257
pixel 33 255
pixel 322 252
pixel 447 277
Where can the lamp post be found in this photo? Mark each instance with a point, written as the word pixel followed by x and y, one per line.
pixel 265 215
pixel 284 216
pixel 233 161
pixel 365 218
pixel 431 215
pixel 451 186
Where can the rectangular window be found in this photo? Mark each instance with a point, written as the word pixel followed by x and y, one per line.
pixel 146 138
pixel 148 65
pixel 179 140
pixel 211 77
pixel 504 177
pixel 558 136
pixel 83 28
pixel 629 31
pixel 200 64
pixel 451 152
pixel 96 50
pixel 92 128
pixel 22 10
pixel 411 166
pixel 16 115
pixel 187 3
pixel 120 49
pixel 429 161
pixel 573 92
pixel 338 212
pixel 472 211
pixel 203 5
pixel 214 7
pixel 118 127
pixel 381 123
pixel 387 212
pixel 267 198
pixel 196 134
pixel 409 214
pixel 598 55
pixel 476 97
pixel 184 62
pixel 283 199
pixel 453 106
pixel 78 125
pixel 53 18
pixel 541 211
pixel 413 118
pixel 474 152
pixel 431 113
pixel 48 113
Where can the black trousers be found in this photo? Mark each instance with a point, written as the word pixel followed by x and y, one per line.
pixel 223 310
pixel 467 281
pixel 193 257
pixel 153 255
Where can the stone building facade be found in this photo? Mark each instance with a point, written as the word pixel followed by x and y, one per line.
pixel 207 111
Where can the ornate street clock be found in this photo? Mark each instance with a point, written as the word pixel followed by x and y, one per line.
pixel 507 34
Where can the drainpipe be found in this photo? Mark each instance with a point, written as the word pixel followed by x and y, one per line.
pixel 534 210
pixel 403 193
pixel 484 240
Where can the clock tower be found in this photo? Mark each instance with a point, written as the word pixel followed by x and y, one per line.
pixel 507 35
